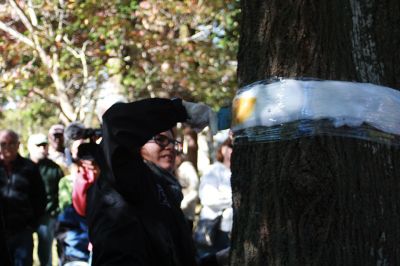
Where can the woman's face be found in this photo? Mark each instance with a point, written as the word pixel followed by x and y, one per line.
pixel 226 151
pixel 163 156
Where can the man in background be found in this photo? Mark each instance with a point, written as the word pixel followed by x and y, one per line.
pixel 51 174
pixel 23 197
pixel 56 147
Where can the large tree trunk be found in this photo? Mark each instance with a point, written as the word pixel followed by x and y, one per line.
pixel 318 200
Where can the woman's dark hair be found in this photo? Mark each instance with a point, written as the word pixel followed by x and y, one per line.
pixel 219 156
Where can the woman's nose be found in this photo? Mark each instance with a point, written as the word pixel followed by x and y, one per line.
pixel 170 146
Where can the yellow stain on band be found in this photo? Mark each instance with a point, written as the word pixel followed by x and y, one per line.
pixel 243 108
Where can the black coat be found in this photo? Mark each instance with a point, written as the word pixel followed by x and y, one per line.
pixel 133 212
pixel 23 195
pixel 5 259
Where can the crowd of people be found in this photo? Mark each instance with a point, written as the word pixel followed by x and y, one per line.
pixel 128 197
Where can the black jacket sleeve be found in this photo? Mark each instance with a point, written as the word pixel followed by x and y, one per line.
pixel 126 128
pixel 37 194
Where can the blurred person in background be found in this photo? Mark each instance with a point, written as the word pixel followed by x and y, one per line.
pixel 72 230
pixel 216 199
pixel 56 146
pixel 23 197
pixel 189 181
pixel 85 156
pixel 51 175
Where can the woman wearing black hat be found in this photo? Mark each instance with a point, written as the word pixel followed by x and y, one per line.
pixel 133 210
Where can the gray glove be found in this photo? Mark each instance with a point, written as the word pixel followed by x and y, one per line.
pixel 200 116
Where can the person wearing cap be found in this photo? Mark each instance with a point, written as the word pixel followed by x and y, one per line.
pixel 51 174
pixel 56 146
pixel 23 198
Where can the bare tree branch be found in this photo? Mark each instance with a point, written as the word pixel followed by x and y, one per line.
pixel 72 51
pixel 79 55
pixel 71 82
pixel 61 15
pixel 32 14
pixel 43 56
pixel 50 60
pixel 84 63
pixel 21 14
pixel 49 99
pixel 66 117
pixel 16 34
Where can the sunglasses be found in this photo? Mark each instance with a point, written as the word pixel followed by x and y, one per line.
pixel 5 145
pixel 164 141
pixel 58 135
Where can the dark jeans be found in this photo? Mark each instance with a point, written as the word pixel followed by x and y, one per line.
pixel 45 234
pixel 21 247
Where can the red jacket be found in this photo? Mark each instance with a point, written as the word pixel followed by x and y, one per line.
pixel 83 180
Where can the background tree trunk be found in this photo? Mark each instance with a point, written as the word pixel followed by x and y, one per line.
pixel 317 200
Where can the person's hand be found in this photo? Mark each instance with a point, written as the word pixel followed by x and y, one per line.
pixel 199 114
pixel 91 166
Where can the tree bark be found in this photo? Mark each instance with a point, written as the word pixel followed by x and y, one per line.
pixel 348 40
pixel 318 200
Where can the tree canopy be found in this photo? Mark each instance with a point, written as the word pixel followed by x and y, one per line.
pixel 56 55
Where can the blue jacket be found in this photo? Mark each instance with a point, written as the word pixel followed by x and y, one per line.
pixel 72 236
